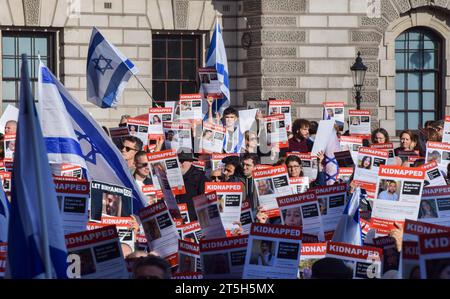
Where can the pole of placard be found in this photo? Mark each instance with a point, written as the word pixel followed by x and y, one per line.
pixel 149 94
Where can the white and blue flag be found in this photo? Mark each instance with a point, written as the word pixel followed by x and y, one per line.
pixel 4 216
pixel 107 71
pixel 36 244
pixel 217 58
pixel 348 229
pixel 103 160
pixel 60 139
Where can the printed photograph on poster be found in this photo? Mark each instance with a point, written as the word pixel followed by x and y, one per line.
pixel 435 205
pixel 283 107
pixel 334 111
pixel 273 252
pixel 209 83
pixel 178 136
pixel 434 256
pixel 260 105
pixel 109 200
pixel 223 257
pixel 359 121
pixel 191 107
pixel 100 253
pixel 269 184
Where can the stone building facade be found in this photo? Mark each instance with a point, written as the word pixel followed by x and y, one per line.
pixel 291 49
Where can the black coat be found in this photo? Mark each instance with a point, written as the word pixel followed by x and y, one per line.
pixel 194 182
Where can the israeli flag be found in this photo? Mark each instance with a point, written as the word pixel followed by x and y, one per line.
pixel 107 72
pixel 60 139
pixel 4 216
pixel 348 229
pixel 36 245
pixel 217 58
pixel 103 160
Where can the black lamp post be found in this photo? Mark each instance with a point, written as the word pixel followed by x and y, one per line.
pixel 358 72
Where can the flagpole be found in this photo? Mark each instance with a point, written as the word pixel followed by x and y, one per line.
pixel 215 29
pixel 153 100
pixel 44 232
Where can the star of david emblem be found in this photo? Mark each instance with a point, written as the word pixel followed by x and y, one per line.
pixel 102 67
pixel 91 155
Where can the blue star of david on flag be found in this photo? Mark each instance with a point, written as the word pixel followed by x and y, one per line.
pixel 107 71
pixel 106 66
pixel 91 155
pixel 333 175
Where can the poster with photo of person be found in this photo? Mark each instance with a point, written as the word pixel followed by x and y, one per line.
pixel 210 85
pixel 334 111
pixel 109 200
pixel 359 122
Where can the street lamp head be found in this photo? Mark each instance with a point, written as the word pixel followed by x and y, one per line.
pixel 358 72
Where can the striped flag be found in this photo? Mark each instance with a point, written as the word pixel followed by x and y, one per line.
pixel 36 245
pixel 103 160
pixel 348 229
pixel 217 58
pixel 108 71
pixel 331 164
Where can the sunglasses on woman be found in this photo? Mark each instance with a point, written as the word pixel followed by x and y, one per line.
pixel 213 177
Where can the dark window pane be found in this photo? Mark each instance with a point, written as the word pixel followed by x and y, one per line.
pixel 173 91
pixel 159 49
pixel 189 49
pixel 174 48
pixel 40 46
pixel 189 87
pixel 159 69
pixel 25 45
pixel 189 69
pixel 174 71
pixel 159 91
pixel 8 46
pixel 9 68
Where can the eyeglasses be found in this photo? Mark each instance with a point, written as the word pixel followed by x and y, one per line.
pixel 127 148
pixel 213 177
pixel 142 165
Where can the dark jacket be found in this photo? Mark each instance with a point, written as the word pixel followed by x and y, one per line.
pixel 194 182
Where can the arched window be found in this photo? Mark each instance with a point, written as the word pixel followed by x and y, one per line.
pixel 418 81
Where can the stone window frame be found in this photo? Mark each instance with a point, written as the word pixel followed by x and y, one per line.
pixel 387 71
